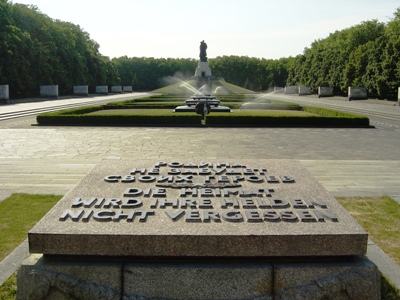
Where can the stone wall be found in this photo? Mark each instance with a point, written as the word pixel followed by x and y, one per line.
pixel 49 278
pixel 324 91
pixel 356 92
pixel 102 89
pixel 81 90
pixel 49 91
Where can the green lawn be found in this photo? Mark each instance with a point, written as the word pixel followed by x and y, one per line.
pixel 133 111
pixel 380 217
pixel 19 213
pixel 236 112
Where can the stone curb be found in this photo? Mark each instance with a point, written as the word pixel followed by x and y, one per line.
pixel 12 262
pixel 386 265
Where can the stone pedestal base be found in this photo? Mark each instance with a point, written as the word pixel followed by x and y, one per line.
pixel 203 78
pixel 203 70
pixel 45 278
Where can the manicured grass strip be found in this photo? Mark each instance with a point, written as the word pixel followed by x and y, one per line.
pixel 268 118
pixel 380 217
pixel 19 213
pixel 115 117
pixel 135 112
pixel 8 291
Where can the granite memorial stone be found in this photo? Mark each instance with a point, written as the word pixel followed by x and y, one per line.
pixel 4 93
pixel 50 91
pixel 81 90
pixel 305 90
pixel 279 89
pixel 398 96
pixel 127 89
pixel 325 91
pixel 102 89
pixel 357 93
pixel 248 229
pixel 246 208
pixel 116 89
pixel 291 90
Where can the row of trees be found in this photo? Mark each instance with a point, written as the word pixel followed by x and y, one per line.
pixel 366 55
pixel 37 50
pixel 251 73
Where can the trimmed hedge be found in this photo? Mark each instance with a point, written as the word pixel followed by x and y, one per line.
pixel 74 118
pixel 325 118
pixel 269 106
pixel 312 117
pixel 351 119
pixel 153 105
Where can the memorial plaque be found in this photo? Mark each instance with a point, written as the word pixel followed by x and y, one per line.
pixel 227 208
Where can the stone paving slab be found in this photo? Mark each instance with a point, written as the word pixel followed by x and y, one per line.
pixel 59 175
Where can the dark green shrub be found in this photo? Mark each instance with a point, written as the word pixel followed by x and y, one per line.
pixel 346 119
pixel 268 119
pixel 70 118
pixel 153 105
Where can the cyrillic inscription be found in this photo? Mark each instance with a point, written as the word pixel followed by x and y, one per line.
pixel 202 193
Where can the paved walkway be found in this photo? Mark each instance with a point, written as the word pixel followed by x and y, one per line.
pixel 52 160
pixel 363 162
pixel 21 106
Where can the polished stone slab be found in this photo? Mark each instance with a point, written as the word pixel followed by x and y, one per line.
pixel 244 208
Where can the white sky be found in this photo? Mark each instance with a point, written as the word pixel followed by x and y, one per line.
pixel 174 28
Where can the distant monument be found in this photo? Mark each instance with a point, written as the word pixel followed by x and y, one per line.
pixel 203 51
pixel 202 103
pixel 203 72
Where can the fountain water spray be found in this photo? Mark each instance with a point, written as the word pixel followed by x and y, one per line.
pixel 201 101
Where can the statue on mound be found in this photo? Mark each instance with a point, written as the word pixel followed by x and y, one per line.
pixel 203 51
